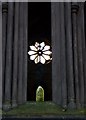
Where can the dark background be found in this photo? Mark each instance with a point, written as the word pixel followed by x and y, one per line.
pixel 39 29
pixel 85 20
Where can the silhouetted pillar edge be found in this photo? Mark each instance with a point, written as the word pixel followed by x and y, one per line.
pixel 8 73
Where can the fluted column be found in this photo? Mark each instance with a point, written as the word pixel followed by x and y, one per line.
pixel 8 73
pixel 4 37
pixel 15 55
pixel 63 56
pixel 20 52
pixel 75 48
pixel 25 43
pixel 69 57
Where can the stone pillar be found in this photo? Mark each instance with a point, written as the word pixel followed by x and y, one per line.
pixel 81 37
pixel 63 56
pixel 4 37
pixel 25 43
pixel 75 8
pixel 8 72
pixel 69 57
pixel 83 47
pixel 20 52
pixel 15 55
pixel 56 80
pixel 0 56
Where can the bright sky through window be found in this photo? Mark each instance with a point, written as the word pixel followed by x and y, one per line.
pixel 40 53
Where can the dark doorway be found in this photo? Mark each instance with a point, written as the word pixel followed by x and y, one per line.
pixel 39 30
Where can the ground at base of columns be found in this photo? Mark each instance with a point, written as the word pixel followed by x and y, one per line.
pixel 44 110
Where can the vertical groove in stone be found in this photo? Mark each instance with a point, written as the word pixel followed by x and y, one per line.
pixel 8 76
pixel 63 57
pixel 1 57
pixel 20 52
pixel 25 43
pixel 69 57
pixel 80 55
pixel 56 82
pixel 15 55
pixel 75 48
pixel 4 37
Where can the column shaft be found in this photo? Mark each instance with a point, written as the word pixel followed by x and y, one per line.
pixel 63 56
pixel 15 55
pixel 25 43
pixel 75 48
pixel 69 57
pixel 56 81
pixel 8 76
pixel 20 58
pixel 84 47
pixel 80 55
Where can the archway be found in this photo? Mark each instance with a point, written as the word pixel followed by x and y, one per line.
pixel 39 27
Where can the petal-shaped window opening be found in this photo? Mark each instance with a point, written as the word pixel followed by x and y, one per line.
pixel 37 59
pixel 46 48
pixel 36 44
pixel 40 53
pixel 42 45
pixel 33 48
pixel 42 60
pixel 32 52
pixel 47 57
pixel 47 52
pixel 32 57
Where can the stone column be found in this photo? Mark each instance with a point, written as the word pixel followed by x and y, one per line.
pixel 55 25
pixel 80 18
pixel 20 52
pixel 63 56
pixel 8 73
pixel 15 55
pixel 75 8
pixel 69 58
pixel 0 56
pixel 83 46
pixel 4 37
pixel 25 43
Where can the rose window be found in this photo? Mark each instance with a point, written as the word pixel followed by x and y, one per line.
pixel 40 53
